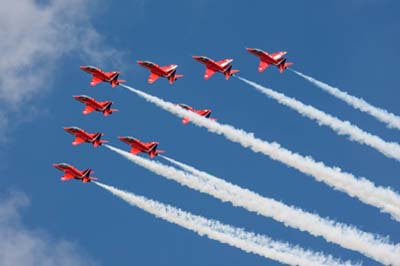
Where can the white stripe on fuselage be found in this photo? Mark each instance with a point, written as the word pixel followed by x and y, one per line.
pixel 226 63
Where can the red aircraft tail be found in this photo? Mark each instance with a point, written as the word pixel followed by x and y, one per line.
pixel 87 172
pixel 107 112
pixel 172 78
pixel 88 179
pixel 282 66
pixel 229 73
pixel 116 82
pixel 97 141
pixel 154 153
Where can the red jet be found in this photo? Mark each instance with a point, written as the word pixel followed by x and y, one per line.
pixel 224 66
pixel 267 59
pixel 157 71
pixel 102 76
pixel 71 172
pixel 83 136
pixel 205 112
pixel 93 105
pixel 137 146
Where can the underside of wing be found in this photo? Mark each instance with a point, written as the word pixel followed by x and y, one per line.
pixel 209 73
pixel 95 81
pixel 185 120
pixel 135 150
pixel 88 109
pixel 77 141
pixel 262 66
pixel 152 78
pixel 67 177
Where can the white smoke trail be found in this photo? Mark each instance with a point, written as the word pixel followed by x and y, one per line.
pixel 391 120
pixel 389 149
pixel 346 236
pixel 383 198
pixel 236 237
pixel 373 246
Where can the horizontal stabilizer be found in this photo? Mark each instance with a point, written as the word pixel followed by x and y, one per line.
pixel 172 78
pixel 154 153
pixel 107 112
pixel 115 83
pixel 284 65
pixel 230 73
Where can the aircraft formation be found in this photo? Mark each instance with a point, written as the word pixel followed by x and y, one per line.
pixel 223 66
pixel 150 148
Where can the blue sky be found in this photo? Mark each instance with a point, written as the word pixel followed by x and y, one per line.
pixel 349 44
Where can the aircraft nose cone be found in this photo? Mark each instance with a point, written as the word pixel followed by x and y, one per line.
pixel 196 57
pixel 82 67
pixel 249 49
pixel 77 97
pixel 55 165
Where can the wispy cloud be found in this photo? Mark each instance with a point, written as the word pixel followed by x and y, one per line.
pixel 22 246
pixel 34 38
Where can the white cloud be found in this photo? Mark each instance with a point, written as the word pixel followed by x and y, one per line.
pixel 34 37
pixel 22 246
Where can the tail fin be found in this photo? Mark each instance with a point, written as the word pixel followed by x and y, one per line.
pixel 87 172
pixel 98 135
